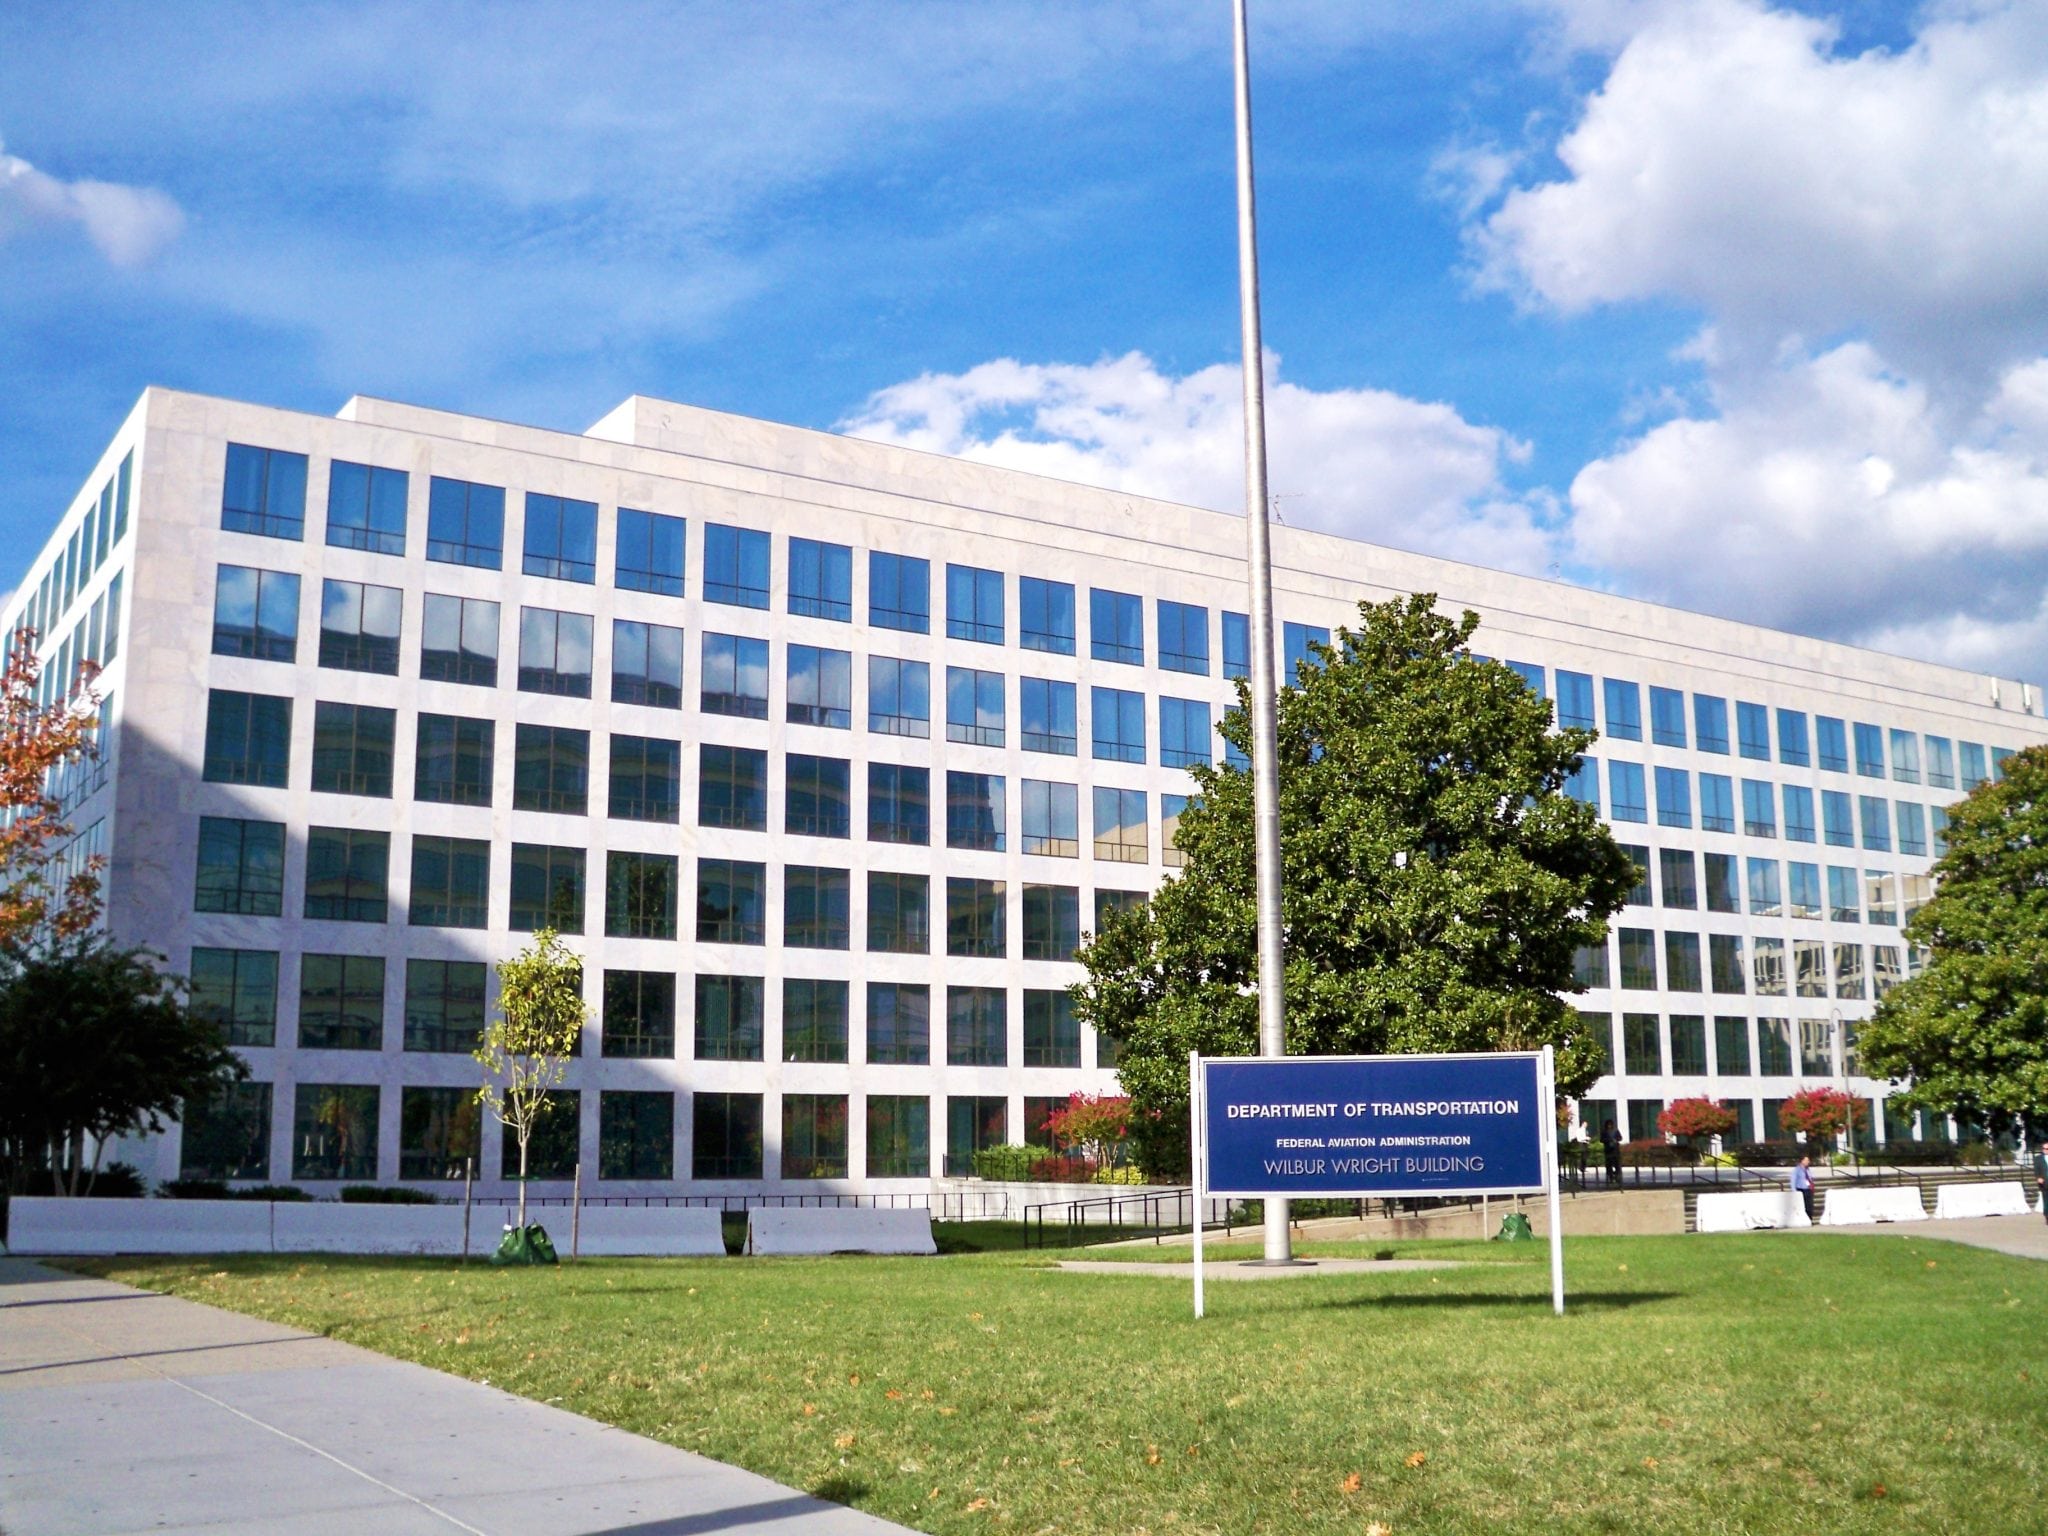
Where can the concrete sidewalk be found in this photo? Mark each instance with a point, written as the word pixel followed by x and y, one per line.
pixel 123 1411
pixel 2024 1237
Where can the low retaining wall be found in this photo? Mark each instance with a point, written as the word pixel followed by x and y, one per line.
pixel 822 1229
pixel 646 1231
pixel 47 1224
pixel 317 1227
pixel 1750 1211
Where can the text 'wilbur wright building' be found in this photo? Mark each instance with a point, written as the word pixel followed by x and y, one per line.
pixel 825 754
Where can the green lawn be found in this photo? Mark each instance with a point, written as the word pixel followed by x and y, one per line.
pixel 1699 1384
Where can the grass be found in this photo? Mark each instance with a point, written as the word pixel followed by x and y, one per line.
pixel 1751 1384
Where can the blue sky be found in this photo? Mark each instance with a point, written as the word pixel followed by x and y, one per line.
pixel 1736 306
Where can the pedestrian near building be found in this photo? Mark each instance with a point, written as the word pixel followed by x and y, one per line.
pixel 1802 1180
pixel 2041 1178
pixel 1610 1139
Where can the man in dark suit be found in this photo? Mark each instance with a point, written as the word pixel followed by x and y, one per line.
pixel 1610 1138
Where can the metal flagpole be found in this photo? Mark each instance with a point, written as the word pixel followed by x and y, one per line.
pixel 1547 1095
pixel 1198 1143
pixel 1265 726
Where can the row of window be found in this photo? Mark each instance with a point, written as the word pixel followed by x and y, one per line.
pixel 1842 817
pixel 1887 899
pixel 335 1134
pixel 98 533
pixel 1652 1046
pixel 241 871
pixel 265 493
pixel 1637 1120
pixel 359 632
pixel 1859 971
pixel 342 1008
pixel 248 739
pixel 1945 763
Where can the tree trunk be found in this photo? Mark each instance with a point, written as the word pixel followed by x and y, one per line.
pixel 524 1132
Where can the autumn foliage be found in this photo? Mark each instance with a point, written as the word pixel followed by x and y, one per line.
pixel 1094 1125
pixel 1696 1119
pixel 36 740
pixel 1823 1112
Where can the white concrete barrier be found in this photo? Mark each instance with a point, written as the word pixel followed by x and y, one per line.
pixel 666 1231
pixel 1892 1202
pixel 46 1224
pixel 318 1227
pixel 1749 1211
pixel 839 1229
pixel 2006 1199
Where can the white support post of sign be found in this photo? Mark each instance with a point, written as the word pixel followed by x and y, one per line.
pixel 1547 1094
pixel 1200 1150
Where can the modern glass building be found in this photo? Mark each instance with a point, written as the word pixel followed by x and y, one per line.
pixel 824 754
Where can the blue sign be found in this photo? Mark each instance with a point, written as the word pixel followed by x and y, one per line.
pixel 1374 1125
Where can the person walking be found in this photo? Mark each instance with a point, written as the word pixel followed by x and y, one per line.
pixel 2041 1177
pixel 1802 1181
pixel 1610 1139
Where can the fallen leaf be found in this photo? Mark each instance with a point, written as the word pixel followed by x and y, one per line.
pixel 892 1394
pixel 1351 1484
pixel 810 1410
pixel 1417 1458
pixel 1649 1461
pixel 1151 1455
pixel 1194 1450
pixel 844 1442
pixel 1624 1269
pixel 1379 1528
pixel 927 1394
pixel 947 1413
pixel 853 1379
pixel 1930 1263
pixel 974 1317
pixel 1877 1490
pixel 977 1506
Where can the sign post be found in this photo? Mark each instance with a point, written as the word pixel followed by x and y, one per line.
pixel 1376 1126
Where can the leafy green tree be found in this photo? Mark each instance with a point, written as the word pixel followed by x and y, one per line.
pixel 95 1042
pixel 1435 882
pixel 525 1050
pixel 1970 1032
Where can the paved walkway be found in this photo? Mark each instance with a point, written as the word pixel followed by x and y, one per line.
pixel 122 1411
pixel 2023 1236
pixel 1238 1269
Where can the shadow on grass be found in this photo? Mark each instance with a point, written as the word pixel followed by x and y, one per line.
pixel 840 1490
pixel 1597 1301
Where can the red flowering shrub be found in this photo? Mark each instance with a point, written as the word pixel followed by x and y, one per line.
pixel 1092 1129
pixel 1696 1119
pixel 1823 1112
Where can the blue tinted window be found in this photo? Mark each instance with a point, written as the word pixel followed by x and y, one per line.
pixel 974 604
pixel 1717 802
pixel 1845 895
pixel 1295 640
pixel 821 580
pixel 466 523
pixel 1999 758
pixel 735 566
pixel 1941 762
pixel 1237 645
pixel 1667 717
pixel 1837 819
pixel 734 678
pixel 1799 814
pixel 1674 797
pixel 1183 732
pixel 1906 757
pixel 1047 709
pixel 1975 767
pixel 974 707
pixel 1753 729
pixel 1583 782
pixel 1575 701
pixel 1831 740
pixel 265 492
pixel 1118 719
pixel 1937 817
pixel 1912 827
pixel 1184 638
pixel 1624 709
pixel 1869 751
pixel 366 508
pixel 1875 813
pixel 1792 738
pixel 1045 615
pixel 650 553
pixel 1625 792
pixel 899 697
pixel 1765 899
pixel 820 688
pixel 256 614
pixel 1530 674
pixel 1759 809
pixel 1802 889
pixel 560 538
pixel 1116 627
pixel 900 593
pixel 1710 722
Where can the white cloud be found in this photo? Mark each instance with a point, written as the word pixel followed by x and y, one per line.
pixel 129 225
pixel 1735 159
pixel 1359 462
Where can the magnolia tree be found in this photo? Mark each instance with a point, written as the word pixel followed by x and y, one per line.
pixel 525 1052
pixel 1697 1119
pixel 1823 1112
pixel 1096 1125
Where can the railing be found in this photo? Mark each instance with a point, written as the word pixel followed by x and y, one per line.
pixel 1157 1211
pixel 945 1205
